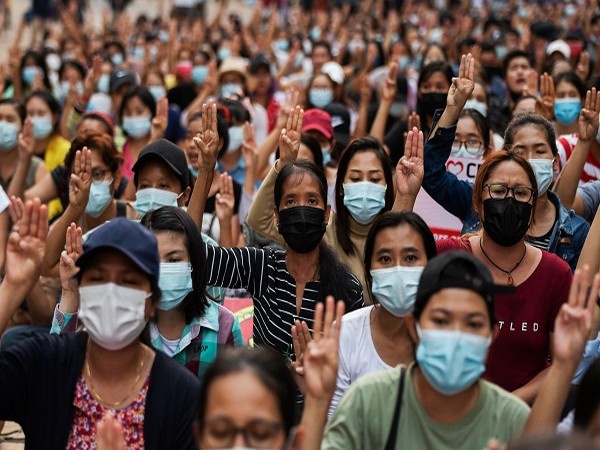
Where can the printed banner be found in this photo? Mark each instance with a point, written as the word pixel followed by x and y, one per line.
pixel 243 308
pixel 441 222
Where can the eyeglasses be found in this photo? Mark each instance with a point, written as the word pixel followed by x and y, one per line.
pixel 472 146
pixel 500 191
pixel 99 175
pixel 258 433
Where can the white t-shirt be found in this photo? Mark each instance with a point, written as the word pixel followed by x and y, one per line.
pixel 357 353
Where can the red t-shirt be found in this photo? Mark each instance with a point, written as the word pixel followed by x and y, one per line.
pixel 525 318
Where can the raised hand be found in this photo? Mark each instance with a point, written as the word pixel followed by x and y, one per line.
pixel 81 180
pixel 462 87
pixel 207 141
pixel 16 208
pixel 588 118
pixel 68 258
pixel 225 200
pixel 532 85
pixel 321 358
pixel 574 320
pixel 26 141
pixel 289 139
pixel 292 96
pixel 409 171
pixel 544 105
pixel 160 120
pixel 300 338
pixel 364 89
pixel 389 88
pixel 26 245
pixel 249 147
pixel 93 75
pixel 414 120
pixel 110 434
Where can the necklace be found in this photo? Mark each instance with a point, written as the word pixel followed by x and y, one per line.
pixel 95 393
pixel 510 280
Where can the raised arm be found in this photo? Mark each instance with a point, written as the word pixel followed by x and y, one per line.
pixel 409 172
pixel 571 330
pixel 386 98
pixel 566 186
pixel 24 255
pixel 25 146
pixel 208 149
pixel 79 193
pixel 260 217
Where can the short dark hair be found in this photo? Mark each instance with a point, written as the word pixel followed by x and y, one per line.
pixel 171 219
pixel 322 43
pixel 75 65
pixel 531 119
pixel 435 67
pixel 513 54
pixel 269 367
pixel 571 78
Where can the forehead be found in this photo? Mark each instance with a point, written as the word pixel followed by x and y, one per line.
pixel 457 301
pixel 398 237
pixel 466 125
pixel 508 172
pixel 300 182
pixel 436 78
pixel 365 160
pixel 518 62
pixel 170 240
pixel 529 135
pixel 7 108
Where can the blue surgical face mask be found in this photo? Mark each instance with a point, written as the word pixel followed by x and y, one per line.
pixel 103 83
pixel 282 45
pixel 566 110
pixel 117 59
pixel 199 74
pixel 326 155
pixel 544 173
pixel 64 89
pixel 396 288
pixel 136 126
pixel 236 138
pixel 42 127
pixel 451 361
pixel 149 199
pixel 157 91
pixel 230 89
pixel 29 73
pixel 223 53
pixel 138 52
pixel 175 283
pixel 364 200
pixel 477 106
pixel 320 97
pixel 8 136
pixel 397 109
pixel 193 170
pixel 100 197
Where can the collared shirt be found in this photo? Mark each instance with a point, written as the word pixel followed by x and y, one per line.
pixel 237 172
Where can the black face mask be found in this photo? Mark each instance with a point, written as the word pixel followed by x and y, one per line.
pixel 302 227
pixel 428 103
pixel 506 220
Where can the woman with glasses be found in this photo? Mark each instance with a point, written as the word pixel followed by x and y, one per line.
pixel 532 137
pixel 505 196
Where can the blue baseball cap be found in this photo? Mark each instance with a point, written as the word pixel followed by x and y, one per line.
pixel 128 237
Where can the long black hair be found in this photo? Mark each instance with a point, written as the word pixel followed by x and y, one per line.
pixel 393 219
pixel 174 220
pixel 342 216
pixel 269 367
pixel 335 278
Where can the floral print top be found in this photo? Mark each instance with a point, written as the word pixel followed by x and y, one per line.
pixel 88 412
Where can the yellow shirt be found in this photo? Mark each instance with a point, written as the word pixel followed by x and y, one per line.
pixel 57 149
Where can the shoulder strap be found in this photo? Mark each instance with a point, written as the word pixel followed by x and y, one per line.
pixel 391 441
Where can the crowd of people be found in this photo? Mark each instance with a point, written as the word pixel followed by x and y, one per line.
pixel 152 167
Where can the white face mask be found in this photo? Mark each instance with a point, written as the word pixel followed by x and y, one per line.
pixel 113 315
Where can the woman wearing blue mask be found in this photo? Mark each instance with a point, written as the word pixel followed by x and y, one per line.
pixel 138 108
pixel 569 95
pixel 363 190
pixel 188 326
pixel 230 158
pixel 44 111
pixel 321 91
pixel 210 221
pixel 71 73
pixel 154 81
pixel 28 74
pixel 440 401
pixel 376 337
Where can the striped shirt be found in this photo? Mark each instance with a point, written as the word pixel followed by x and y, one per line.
pixel 263 273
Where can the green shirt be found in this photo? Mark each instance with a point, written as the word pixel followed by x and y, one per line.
pixel 363 418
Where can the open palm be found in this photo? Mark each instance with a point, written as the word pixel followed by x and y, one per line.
pixel 462 87
pixel 588 118
pixel 207 141
pixel 410 170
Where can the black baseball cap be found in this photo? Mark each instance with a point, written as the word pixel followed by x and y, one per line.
pixel 128 237
pixel 458 269
pixel 121 77
pixel 340 120
pixel 260 61
pixel 170 154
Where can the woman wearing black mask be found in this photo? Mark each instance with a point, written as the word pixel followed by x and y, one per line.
pixel 504 195
pixel 285 284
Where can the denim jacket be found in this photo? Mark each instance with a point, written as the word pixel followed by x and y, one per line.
pixel 455 196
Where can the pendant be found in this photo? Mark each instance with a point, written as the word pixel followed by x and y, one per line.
pixel 510 280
